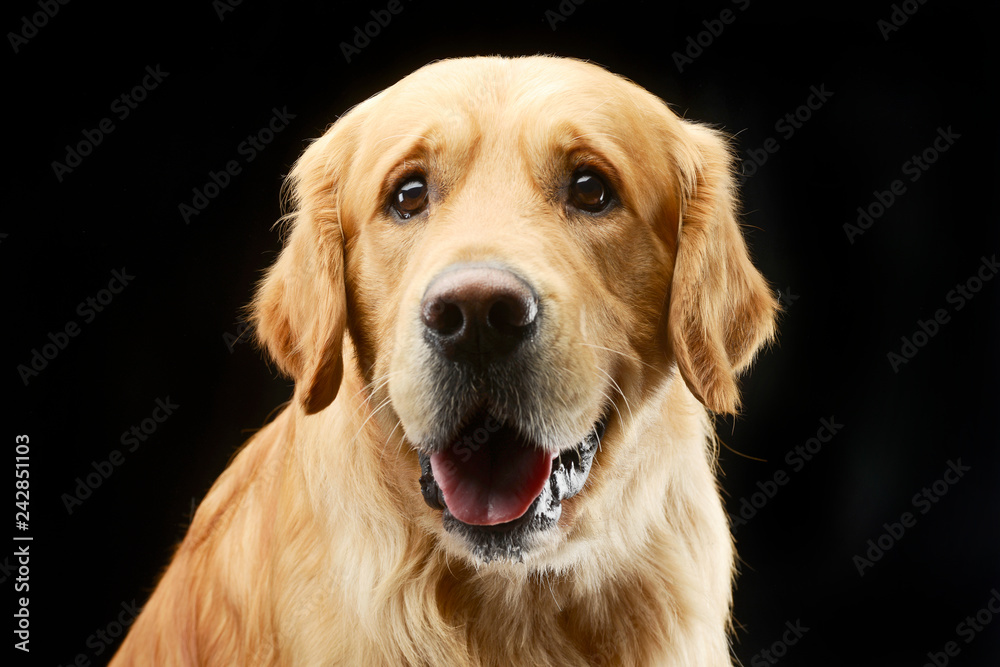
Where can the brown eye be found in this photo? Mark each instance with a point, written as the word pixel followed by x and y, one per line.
pixel 410 198
pixel 588 192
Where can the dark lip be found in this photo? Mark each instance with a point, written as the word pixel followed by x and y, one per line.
pixel 507 541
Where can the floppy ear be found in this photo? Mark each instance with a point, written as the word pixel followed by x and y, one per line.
pixel 299 310
pixel 721 308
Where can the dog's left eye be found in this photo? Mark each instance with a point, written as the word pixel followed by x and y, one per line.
pixel 589 192
pixel 410 198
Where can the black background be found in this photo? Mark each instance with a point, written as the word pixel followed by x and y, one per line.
pixel 847 304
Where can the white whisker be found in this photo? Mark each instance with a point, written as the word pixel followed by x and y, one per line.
pixel 375 386
pixel 398 136
pixel 612 402
pixel 622 393
pixel 595 108
pixel 597 437
pixel 374 412
pixel 618 352
pixel 599 134
pixel 552 593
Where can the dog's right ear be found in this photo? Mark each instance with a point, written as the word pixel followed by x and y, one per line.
pixel 299 311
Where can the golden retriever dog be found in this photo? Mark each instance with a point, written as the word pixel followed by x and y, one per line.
pixel 512 294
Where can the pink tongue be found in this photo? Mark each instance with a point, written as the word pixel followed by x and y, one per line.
pixel 494 483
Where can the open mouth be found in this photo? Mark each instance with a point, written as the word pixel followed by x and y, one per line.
pixel 495 485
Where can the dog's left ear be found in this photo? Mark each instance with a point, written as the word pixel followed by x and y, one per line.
pixel 299 311
pixel 721 309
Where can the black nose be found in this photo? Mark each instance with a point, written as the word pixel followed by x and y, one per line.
pixel 478 313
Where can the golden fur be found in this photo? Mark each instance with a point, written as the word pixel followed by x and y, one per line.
pixel 315 548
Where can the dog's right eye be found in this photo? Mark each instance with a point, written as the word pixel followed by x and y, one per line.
pixel 589 192
pixel 410 198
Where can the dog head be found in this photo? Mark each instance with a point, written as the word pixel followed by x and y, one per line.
pixel 524 252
